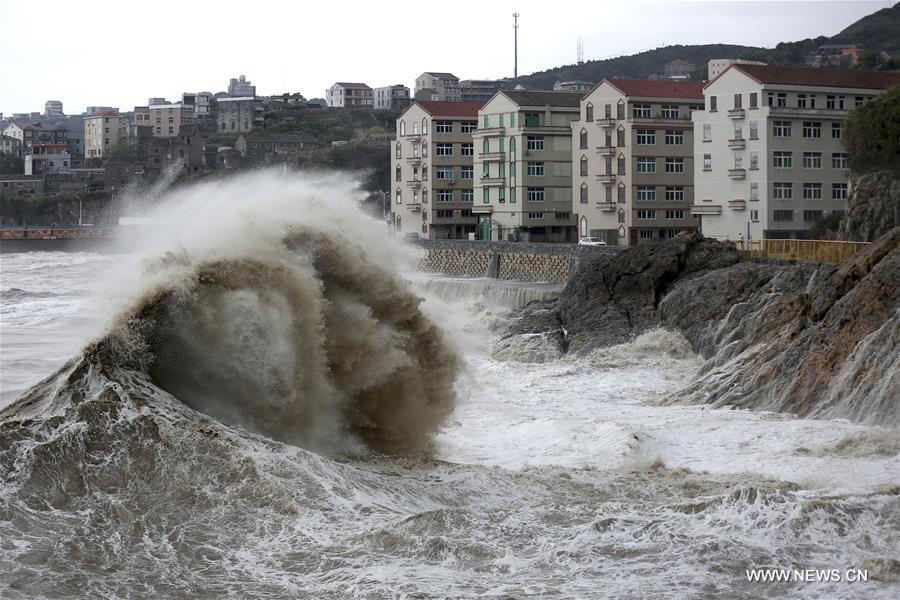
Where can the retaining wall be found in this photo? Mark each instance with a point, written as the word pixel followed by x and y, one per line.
pixel 519 261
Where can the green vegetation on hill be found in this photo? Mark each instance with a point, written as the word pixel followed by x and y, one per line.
pixel 328 125
pixel 878 32
pixel 873 134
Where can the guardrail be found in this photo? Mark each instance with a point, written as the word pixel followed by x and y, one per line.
pixel 57 233
pixel 825 251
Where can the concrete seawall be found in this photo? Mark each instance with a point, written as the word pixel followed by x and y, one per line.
pixel 518 261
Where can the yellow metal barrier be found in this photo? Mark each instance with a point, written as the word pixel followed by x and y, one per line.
pixel 827 251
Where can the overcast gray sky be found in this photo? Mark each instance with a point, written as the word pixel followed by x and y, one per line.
pixel 119 53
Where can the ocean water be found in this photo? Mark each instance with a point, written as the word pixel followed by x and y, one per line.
pixel 558 480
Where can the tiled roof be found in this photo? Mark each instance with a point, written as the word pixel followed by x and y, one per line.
pixel 847 78
pixel 449 109
pixel 353 85
pixel 658 88
pixel 542 98
pixel 441 75
pixel 107 113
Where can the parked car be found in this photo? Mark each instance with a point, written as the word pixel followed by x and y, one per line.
pixel 591 241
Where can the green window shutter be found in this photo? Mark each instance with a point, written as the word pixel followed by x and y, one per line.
pixel 485 194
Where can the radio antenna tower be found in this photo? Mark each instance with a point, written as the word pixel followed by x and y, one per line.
pixel 580 52
pixel 515 48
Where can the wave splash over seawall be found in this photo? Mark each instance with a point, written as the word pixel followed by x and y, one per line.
pixel 284 315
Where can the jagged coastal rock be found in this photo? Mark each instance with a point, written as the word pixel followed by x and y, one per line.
pixel 813 340
pixel 873 207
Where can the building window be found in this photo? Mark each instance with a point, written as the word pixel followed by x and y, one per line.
pixel 500 145
pixel 607 111
pixel 812 160
pixel 754 191
pixel 584 166
pixel 754 216
pixel 801 100
pixel 485 122
pixel 467 172
pixel 707 162
pixel 443 173
pixel 754 100
pixel 754 130
pixel 754 160
pixel 397 151
pixel 812 191
pixel 620 110
pixel 646 137
pixel 399 196
pixel 424 148
pixel 608 194
pixel 675 194
pixel 812 215
pixel 485 169
pixel 443 150
pixel 424 196
pixel 712 104
pixel 782 190
pixel 674 137
pixel 512 195
pixel 443 214
pixel 674 165
pixel 620 137
pixel 670 111
pixel 858 101
pixel 830 102
pixel 646 193
pixel 396 172
pixel 535 169
pixel 674 214
pixel 707 132
pixel 583 226
pixel 620 165
pixel 467 196
pixel 781 100
pixel 512 119
pixel 620 193
pixel 583 139
pixel 782 215
pixel 782 160
pixel 532 119
pixel 444 127
pixel 512 146
pixel 444 196
pixel 646 214
pixel 534 143
pixel 486 195
pixel 839 160
pixel 501 193
pixel 620 217
pixel 535 194
pixel 781 129
pixel 812 129
pixel 467 127
pixel 589 112
pixel 584 193
pixel 535 215
pixel 645 234
pixel 639 111
pixel 838 191
pixel 466 150
pixel 836 131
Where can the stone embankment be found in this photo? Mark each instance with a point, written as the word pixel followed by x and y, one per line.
pixel 518 261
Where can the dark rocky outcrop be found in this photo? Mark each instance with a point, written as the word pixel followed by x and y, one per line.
pixel 873 208
pixel 814 340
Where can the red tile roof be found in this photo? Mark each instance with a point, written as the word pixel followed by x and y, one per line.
pixel 846 78
pixel 353 85
pixel 449 109
pixel 658 88
pixel 105 114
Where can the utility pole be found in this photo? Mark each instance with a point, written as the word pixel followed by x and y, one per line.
pixel 515 48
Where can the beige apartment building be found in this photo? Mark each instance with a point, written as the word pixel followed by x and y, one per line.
pixel 349 95
pixel 633 160
pixel 238 115
pixel 770 154
pixel 438 87
pixel 523 166
pixel 168 119
pixel 104 131
pixel 433 173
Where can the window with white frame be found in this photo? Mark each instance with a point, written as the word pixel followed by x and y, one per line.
pixel 443 150
pixel 670 111
pixel 754 160
pixel 646 234
pixel 583 139
pixel 443 173
pixel 608 194
pixel 646 193
pixel 812 160
pixel 674 165
pixel 535 215
pixel 754 130
pixel 443 213
pixel 535 194
pixel 754 191
pixel 467 196
pixel 620 193
pixel 646 164
pixel 640 111
pixel 782 190
pixel 646 137
pixel 467 149
pixel 534 143
pixel 836 131
pixel 812 129
pixel 399 196
pixel 444 196
pixel 583 166
pixel 782 159
pixel 838 191
pixel 444 127
pixel 468 127
pixel 707 132
pixel 674 137
pixel 801 100
pixel 646 214
pixel 812 191
pixel 738 161
pixel 467 172
pixel 535 169
pixel 754 216
pixel 584 193
pixel 674 214
pixel 589 112
pixel 781 216
pixel 781 129
pixel 707 162
pixel 839 160
pixel 675 193
pixel 620 137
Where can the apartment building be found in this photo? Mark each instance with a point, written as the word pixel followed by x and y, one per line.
pixel 241 87
pixel 717 66
pixel 433 172
pixel 575 85
pixel 523 166
pixel 103 132
pixel 10 145
pixel 770 154
pixel 633 159
pixel 391 97
pixel 349 95
pixel 168 119
pixel 47 159
pixel 53 108
pixel 478 90
pixel 438 87
pixel 238 115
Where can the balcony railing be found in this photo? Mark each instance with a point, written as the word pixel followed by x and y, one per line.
pixel 608 178
pixel 737 204
pixel 737 173
pixel 414 206
pixel 828 251
pixel 658 120
pixel 706 209
pixel 737 143
pixel 736 113
pixel 493 156
pixel 606 150
pixel 414 160
pixel 807 112
pixel 414 183
pixel 607 206
pixel 493 181
pixel 606 123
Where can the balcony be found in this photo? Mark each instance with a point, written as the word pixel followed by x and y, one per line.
pixel 545 129
pixel 606 123
pixel 737 204
pixel 608 178
pixel 414 207
pixel 414 183
pixel 737 143
pixel 736 113
pixel 682 122
pixel 606 150
pixel 607 206
pixel 705 209
pixel 414 160
pixel 493 181
pixel 413 137
pixel 828 113
pixel 491 131
pixel 493 156
pixel 484 209
pixel 737 173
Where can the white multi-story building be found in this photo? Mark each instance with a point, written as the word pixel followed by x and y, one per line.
pixel 439 87
pixel 632 167
pixel 523 166
pixel 770 158
pixel 391 97
pixel 349 95
pixel 103 132
pixel 432 168
pixel 53 108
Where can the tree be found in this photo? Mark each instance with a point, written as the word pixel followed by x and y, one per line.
pixel 873 134
pixel 10 164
